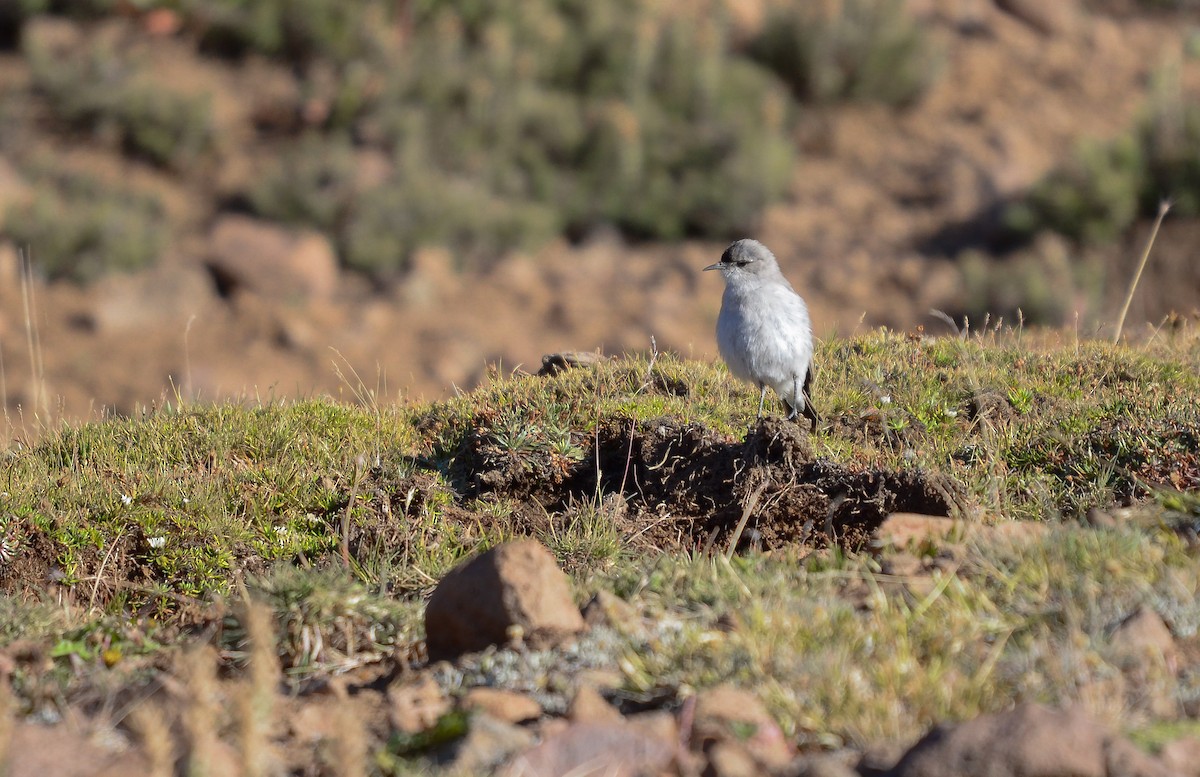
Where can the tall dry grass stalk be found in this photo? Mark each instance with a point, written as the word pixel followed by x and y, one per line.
pixel 350 742
pixel 201 714
pixel 33 340
pixel 149 721
pixel 1163 207
pixel 7 722
pixel 256 699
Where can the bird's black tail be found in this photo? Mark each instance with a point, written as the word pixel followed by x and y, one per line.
pixel 808 411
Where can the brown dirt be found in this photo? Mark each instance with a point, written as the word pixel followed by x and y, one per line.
pixel 687 486
pixel 859 236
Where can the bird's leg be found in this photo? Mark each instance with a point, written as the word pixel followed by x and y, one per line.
pixel 796 398
pixel 762 398
pixel 810 412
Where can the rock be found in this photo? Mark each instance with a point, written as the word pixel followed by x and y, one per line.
pixel 727 714
pixel 1142 646
pixel 1143 635
pixel 507 706
pixel 822 766
pixel 162 22
pixel 269 260
pixel 1028 741
pixel 1101 519
pixel 729 758
pixel 514 591
pixel 415 706
pixel 488 743
pixel 589 706
pixel 313 722
pixel 1182 757
pixel 911 530
pixel 611 749
pixel 878 758
pixel 37 751
pixel 166 294
pixel 554 363
pixel 656 724
pixel 1125 759
pixel 607 609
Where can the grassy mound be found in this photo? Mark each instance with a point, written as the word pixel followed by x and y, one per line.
pixel 123 537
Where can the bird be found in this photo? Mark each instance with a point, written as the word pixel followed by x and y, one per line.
pixel 763 330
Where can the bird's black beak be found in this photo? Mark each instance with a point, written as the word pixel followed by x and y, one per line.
pixel 716 266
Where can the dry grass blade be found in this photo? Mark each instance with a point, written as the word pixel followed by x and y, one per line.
pixel 1163 207
pixel 201 714
pixel 7 720
pixel 256 700
pixel 751 503
pixel 150 724
pixel 41 400
pixel 346 514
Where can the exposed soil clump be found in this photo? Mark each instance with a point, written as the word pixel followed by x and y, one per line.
pixel 688 485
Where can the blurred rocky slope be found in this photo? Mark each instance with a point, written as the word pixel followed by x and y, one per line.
pixel 276 206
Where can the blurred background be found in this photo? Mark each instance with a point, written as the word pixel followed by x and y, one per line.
pixel 205 199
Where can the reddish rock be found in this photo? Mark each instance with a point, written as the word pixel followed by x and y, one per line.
pixel 1144 636
pixel 416 705
pixel 514 591
pixel 909 530
pixel 165 295
pixel 822 766
pixel 1028 741
pixel 726 714
pixel 610 749
pixel 488 743
pixel 275 262
pixel 607 609
pixel 1182 757
pixel 506 706
pixel 730 759
pixel 656 724
pixel 589 706
pixel 1144 649
pixel 1125 759
pixel 40 751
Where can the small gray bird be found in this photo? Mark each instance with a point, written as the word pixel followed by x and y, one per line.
pixel 763 331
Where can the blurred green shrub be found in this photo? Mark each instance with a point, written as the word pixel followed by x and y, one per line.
pixel 1105 187
pixel 1170 142
pixel 1092 199
pixel 870 50
pixel 610 112
pixel 79 228
pixel 392 221
pixel 509 122
pixel 311 182
pixel 99 84
pixel 303 30
pixel 378 226
pixel 1043 285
